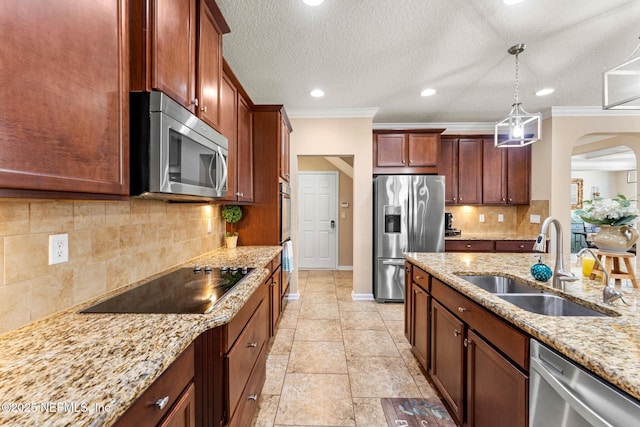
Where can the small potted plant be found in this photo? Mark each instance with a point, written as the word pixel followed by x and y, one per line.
pixel 231 214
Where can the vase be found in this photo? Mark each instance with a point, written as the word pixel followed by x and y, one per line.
pixel 615 238
pixel 232 242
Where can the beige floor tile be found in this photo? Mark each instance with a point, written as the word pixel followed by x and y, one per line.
pixel 370 320
pixel 320 311
pixel 276 369
pixel 380 377
pixel 266 413
pixel 369 412
pixel 320 286
pixel 396 330
pixel 391 311
pixel 410 360
pixel 427 390
pixel 318 330
pixel 316 357
pixel 319 298
pixel 349 306
pixel 316 400
pixel 282 341
pixel 344 294
pixel 359 343
pixel 289 320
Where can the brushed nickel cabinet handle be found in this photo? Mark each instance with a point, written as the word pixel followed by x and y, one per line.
pixel 204 109
pixel 462 309
pixel 253 397
pixel 456 332
pixel 161 403
pixel 252 345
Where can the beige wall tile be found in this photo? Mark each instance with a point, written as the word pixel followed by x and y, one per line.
pixel 50 217
pixel 14 218
pixel 117 213
pixel 25 257
pixel 88 215
pixel 80 247
pixel 89 281
pixel 52 292
pixel 14 309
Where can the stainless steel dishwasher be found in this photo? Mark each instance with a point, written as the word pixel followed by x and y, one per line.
pixel 563 394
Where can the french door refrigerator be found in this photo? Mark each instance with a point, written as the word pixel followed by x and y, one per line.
pixel 408 217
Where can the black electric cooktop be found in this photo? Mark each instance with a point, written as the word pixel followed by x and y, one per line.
pixel 187 290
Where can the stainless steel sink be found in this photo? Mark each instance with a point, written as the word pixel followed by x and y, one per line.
pixel 500 284
pixel 549 305
pixel 528 297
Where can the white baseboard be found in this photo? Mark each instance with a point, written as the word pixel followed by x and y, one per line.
pixel 345 267
pixel 361 297
pixel 293 296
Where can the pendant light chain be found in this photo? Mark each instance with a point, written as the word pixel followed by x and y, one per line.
pixel 516 100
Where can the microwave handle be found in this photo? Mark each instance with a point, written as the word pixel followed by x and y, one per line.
pixel 224 172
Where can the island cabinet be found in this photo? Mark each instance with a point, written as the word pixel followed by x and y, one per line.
pixel 276 297
pixel 176 48
pixel 506 175
pixel 231 365
pixel 170 400
pixel 513 246
pixel 478 362
pixel 65 100
pixel 406 151
pixel 236 124
pixel 461 164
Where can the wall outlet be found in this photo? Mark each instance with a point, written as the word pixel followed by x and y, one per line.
pixel 534 219
pixel 500 218
pixel 481 219
pixel 58 248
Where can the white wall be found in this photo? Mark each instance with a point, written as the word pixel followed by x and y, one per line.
pixel 340 137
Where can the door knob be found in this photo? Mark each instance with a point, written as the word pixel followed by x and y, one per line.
pixel 333 224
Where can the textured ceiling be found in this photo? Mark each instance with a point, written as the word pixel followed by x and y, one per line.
pixel 383 53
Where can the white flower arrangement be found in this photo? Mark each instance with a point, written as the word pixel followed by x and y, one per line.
pixel 614 211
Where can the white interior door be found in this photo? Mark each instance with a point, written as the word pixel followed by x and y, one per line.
pixel 318 220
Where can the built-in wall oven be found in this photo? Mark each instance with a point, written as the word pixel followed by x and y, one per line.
pixel 174 155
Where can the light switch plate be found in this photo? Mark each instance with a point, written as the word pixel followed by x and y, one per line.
pixel 481 219
pixel 534 219
pixel 58 248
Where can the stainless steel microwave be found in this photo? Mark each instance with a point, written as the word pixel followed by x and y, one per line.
pixel 173 154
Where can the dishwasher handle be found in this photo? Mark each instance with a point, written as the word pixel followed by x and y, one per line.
pixel 538 366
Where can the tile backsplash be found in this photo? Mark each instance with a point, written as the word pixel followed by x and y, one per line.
pixel 111 244
pixel 515 218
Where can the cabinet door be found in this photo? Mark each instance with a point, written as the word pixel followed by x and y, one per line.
pixel 448 166
pixel 183 413
pixel 469 164
pixel 209 68
pixel 408 314
pixel 496 390
pixel 447 358
pixel 274 300
pixel 420 305
pixel 284 150
pixel 390 150
pixel 494 164
pixel 228 128
pixel 423 150
pixel 173 50
pixel 518 175
pixel 65 97
pixel 244 164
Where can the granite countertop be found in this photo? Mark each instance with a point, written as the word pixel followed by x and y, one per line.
pixel 607 346
pixel 87 369
pixel 491 236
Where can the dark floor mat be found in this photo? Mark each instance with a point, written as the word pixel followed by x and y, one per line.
pixel 416 413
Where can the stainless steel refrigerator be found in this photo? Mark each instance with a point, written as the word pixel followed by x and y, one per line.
pixel 408 217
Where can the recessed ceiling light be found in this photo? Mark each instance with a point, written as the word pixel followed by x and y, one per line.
pixel 313 2
pixel 512 1
pixel 317 93
pixel 428 92
pixel 546 91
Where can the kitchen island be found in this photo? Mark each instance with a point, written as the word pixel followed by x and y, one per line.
pixel 88 369
pixel 608 346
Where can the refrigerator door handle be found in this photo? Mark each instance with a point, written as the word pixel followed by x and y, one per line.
pixel 400 263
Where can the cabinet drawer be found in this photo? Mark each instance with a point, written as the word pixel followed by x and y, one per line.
pixel 421 277
pixel 514 245
pixel 509 340
pixel 237 324
pixel 249 398
pixel 469 245
pixel 241 359
pixel 164 392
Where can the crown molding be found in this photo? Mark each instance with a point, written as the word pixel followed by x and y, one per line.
pixel 590 112
pixel 451 127
pixel 331 113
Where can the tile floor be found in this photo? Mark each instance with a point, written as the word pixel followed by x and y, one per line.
pixel 333 358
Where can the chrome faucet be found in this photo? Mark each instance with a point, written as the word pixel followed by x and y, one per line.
pixel 609 294
pixel 559 274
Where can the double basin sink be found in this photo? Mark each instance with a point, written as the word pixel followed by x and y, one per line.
pixel 528 297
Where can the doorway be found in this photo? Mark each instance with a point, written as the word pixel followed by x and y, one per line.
pixel 318 220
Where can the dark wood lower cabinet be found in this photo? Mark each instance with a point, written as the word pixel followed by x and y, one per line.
pixel 447 358
pixel 421 303
pixel 183 413
pixel 497 391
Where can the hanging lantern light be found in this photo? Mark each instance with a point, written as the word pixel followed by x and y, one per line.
pixel 621 88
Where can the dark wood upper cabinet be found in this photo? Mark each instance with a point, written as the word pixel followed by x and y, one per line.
pixel 244 165
pixel 229 128
pixel 402 152
pixel 461 164
pixel 209 66
pixel 65 112
pixel 506 174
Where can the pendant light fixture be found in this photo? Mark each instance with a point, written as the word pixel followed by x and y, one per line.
pixel 621 88
pixel 519 128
